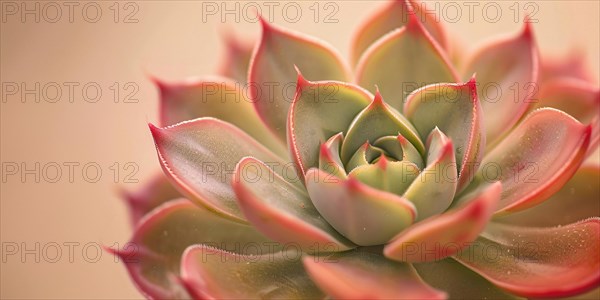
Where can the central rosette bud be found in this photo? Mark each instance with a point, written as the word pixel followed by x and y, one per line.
pixel 376 171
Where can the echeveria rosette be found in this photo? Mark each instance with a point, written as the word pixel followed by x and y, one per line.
pixel 389 182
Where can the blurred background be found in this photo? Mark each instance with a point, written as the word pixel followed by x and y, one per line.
pixel 76 102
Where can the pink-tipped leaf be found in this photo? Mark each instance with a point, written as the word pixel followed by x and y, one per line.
pixel 444 235
pixel 272 77
pixel 507 76
pixel 366 275
pixel 394 15
pixel 455 110
pixel 200 156
pixel 402 61
pixel 538 262
pixel 364 215
pixel 281 210
pixel 321 110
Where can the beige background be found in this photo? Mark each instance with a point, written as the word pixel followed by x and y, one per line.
pixel 172 41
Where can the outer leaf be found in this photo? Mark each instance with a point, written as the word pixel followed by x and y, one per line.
pixel 538 262
pixel 281 210
pixel 576 200
pixel 272 76
pixel 402 61
pixel 236 61
pixel 432 192
pixel 455 110
pixel 151 195
pixel 444 235
pixel 364 215
pixel 321 110
pixel 152 257
pixel 578 98
pixel 392 16
pixel 366 275
pixel 458 281
pixel 375 121
pixel 536 159
pixel 571 65
pixel 199 157
pixel 214 274
pixel 507 72
pixel 215 97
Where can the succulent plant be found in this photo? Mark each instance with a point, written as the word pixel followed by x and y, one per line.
pixel 289 176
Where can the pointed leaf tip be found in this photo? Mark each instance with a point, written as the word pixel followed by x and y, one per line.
pixel 154 130
pixel 301 82
pixel 527 28
pixel 413 23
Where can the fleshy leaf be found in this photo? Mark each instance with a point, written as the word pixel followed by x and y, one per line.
pixel 375 121
pixel 392 16
pixel 433 190
pixel 364 215
pixel 536 159
pixel 211 273
pixel 152 257
pixel 152 194
pixel 281 210
pixel 455 110
pixel 390 176
pixel 459 281
pixel 199 156
pixel 401 149
pixel 319 111
pixel 272 78
pixel 366 275
pixel 402 61
pixel 215 97
pixel 577 200
pixel 570 65
pixel 538 262
pixel 236 61
pixel 329 157
pixel 578 98
pixel 363 156
pixel 444 235
pixel 507 74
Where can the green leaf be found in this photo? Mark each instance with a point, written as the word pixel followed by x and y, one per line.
pixel 458 281
pixel 214 97
pixel 329 157
pixel 507 71
pixel 394 15
pixel 402 61
pixel 444 235
pixel 152 257
pixel 576 200
pixel 401 149
pixel 375 121
pixel 390 176
pixel 366 275
pixel 538 262
pixel 455 110
pixel 433 190
pixel 199 157
pixel 321 110
pixel 272 76
pixel 536 159
pixel 211 273
pixel 364 215
pixel 282 211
